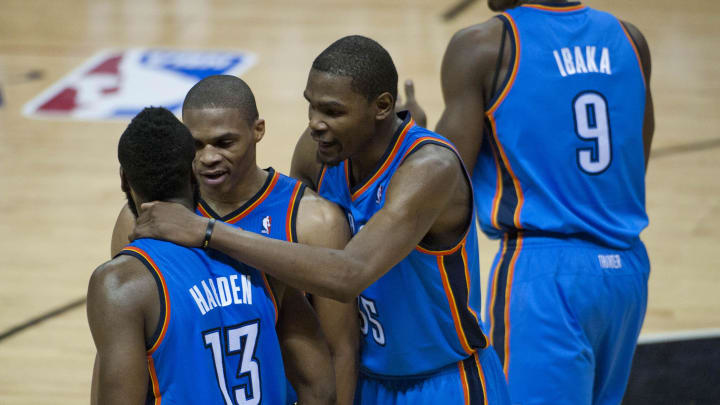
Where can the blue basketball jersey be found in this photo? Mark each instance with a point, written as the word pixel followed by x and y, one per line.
pixel 271 212
pixel 423 313
pixel 564 148
pixel 216 341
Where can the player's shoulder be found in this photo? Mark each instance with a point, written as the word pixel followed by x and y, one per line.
pixel 120 279
pixel 314 209
pixel 321 222
pixel 476 46
pixel 641 44
pixel 476 36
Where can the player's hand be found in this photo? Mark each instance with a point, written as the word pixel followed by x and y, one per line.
pixel 411 104
pixel 171 222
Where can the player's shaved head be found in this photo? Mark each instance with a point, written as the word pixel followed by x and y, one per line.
pixel 156 152
pixel 222 91
pixel 365 61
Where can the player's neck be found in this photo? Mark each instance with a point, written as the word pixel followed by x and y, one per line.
pixel 367 160
pixel 251 183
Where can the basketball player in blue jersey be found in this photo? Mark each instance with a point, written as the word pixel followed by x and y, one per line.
pixel 549 105
pixel 413 257
pixel 193 326
pixel 222 116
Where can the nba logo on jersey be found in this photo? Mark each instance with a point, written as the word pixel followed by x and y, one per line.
pixel 117 84
pixel 266 224
pixel 378 196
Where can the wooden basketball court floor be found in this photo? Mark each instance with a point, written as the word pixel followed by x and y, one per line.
pixel 59 188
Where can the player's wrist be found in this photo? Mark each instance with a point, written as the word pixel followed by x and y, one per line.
pixel 209 228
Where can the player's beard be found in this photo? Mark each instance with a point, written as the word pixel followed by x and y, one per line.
pixel 131 203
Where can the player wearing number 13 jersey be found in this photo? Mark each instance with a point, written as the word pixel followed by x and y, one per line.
pixel 177 325
pixel 558 167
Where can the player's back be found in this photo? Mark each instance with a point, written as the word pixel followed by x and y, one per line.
pixel 564 155
pixel 216 341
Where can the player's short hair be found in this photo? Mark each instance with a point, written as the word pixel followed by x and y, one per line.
pixel 365 61
pixel 156 152
pixel 223 91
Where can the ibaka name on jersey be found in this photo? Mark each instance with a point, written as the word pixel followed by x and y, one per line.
pixel 576 60
pixel 221 292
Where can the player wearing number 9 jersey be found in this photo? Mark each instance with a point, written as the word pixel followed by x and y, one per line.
pixel 558 161
pixel 186 325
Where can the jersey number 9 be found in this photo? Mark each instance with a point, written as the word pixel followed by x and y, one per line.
pixel 592 123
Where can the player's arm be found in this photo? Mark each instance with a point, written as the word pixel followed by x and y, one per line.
pixel 645 60
pixel 322 223
pixel 468 64
pixel 421 190
pixel 308 364
pixel 304 165
pixel 123 227
pixel 119 295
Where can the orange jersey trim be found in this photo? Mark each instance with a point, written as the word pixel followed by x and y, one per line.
pixel 482 377
pixel 259 201
pixel 493 293
pixel 154 380
pixel 453 306
pixel 498 185
pixel 322 177
pixel 491 117
pixel 464 380
pixel 272 295
pixel 508 290
pixel 247 210
pixel 557 9
pixel 637 53
pixel 514 71
pixel 291 208
pixel 385 164
pixel 157 271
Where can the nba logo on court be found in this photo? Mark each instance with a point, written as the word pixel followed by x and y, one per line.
pixel 117 84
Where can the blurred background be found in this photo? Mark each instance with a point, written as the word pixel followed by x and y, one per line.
pixel 69 75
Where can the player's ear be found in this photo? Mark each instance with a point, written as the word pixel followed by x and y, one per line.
pixel 258 129
pixel 124 186
pixel 384 104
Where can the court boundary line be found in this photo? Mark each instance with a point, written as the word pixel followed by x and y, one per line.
pixel 676 336
pixel 42 318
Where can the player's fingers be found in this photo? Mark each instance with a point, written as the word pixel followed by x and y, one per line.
pixel 410 90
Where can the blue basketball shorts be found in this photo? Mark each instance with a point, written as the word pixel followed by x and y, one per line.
pixel 477 380
pixel 564 316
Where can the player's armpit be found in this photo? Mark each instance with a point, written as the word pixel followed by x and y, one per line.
pixel 304 165
pixel 468 65
pixel 649 119
pixel 322 223
pixel 118 294
pixel 307 359
pixel 123 227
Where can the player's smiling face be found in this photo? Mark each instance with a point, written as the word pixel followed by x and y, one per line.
pixel 341 120
pixel 224 148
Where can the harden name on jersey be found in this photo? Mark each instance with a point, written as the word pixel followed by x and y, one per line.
pixel 221 292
